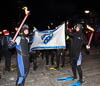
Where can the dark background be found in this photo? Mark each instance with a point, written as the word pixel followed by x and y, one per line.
pixel 42 12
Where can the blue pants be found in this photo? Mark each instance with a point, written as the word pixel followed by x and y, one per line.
pixel 23 69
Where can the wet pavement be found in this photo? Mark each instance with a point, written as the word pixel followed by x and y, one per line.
pixel 43 76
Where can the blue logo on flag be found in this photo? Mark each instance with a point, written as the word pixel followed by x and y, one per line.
pixel 46 38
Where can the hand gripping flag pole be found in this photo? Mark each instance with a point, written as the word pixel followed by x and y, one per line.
pixel 27 13
pixel 90 28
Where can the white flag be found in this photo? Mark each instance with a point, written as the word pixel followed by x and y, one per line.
pixel 49 39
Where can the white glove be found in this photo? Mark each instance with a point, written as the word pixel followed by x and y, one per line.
pixel 87 47
pixel 34 29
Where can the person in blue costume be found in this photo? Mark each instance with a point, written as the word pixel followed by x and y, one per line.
pixel 22 49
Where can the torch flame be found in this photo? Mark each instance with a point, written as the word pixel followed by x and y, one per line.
pixel 67 22
pixel 90 28
pixel 26 10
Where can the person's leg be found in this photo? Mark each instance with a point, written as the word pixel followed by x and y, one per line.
pixel 47 57
pixel 20 80
pixel 80 73
pixel 63 58
pixel 23 69
pixel 0 76
pixel 34 61
pixel 74 69
pixel 31 57
pixel 26 65
pixel 1 52
pixel 57 60
pixel 63 61
pixel 52 60
pixel 79 68
pixel 58 57
pixel 43 53
pixel 52 54
pixel 0 58
pixel 7 61
pixel 18 75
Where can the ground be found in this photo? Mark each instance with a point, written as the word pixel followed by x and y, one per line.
pixel 43 76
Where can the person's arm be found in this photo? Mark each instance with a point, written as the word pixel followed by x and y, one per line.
pixel 31 41
pixel 13 44
pixel 70 34
pixel 85 41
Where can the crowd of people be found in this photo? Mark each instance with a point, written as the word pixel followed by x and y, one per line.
pixel 76 37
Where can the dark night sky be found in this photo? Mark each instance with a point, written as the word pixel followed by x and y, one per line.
pixel 12 14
